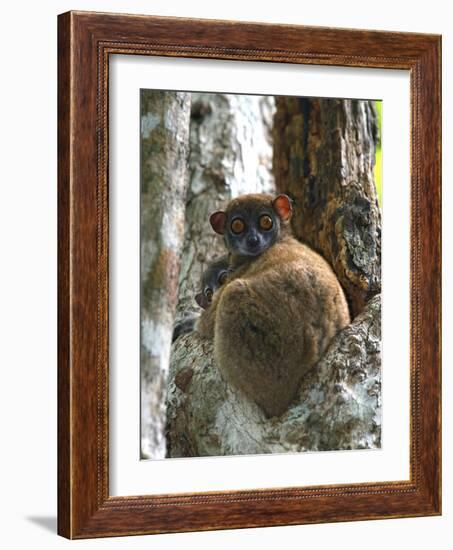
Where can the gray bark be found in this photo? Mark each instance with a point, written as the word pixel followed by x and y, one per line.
pixel 164 152
pixel 338 405
pixel 324 154
pixel 230 154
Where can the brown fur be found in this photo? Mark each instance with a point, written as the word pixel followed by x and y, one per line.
pixel 274 319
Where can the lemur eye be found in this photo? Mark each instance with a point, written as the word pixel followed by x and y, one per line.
pixel 266 222
pixel 237 226
pixel 223 277
pixel 208 293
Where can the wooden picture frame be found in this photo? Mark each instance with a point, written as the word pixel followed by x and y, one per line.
pixel 85 42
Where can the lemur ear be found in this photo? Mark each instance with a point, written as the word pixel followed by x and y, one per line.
pixel 282 205
pixel 201 300
pixel 218 220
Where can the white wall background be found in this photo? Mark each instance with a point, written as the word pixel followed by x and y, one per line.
pixel 28 122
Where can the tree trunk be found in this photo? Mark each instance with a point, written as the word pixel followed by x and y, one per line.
pixel 164 152
pixel 324 154
pixel 230 154
pixel 337 407
pixel 323 157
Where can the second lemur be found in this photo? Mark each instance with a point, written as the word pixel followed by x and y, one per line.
pixel 215 275
pixel 280 309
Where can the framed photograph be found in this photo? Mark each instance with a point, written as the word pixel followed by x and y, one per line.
pixel 249 275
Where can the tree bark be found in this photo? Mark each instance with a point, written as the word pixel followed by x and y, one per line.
pixel 324 154
pixel 164 154
pixel 230 154
pixel 338 405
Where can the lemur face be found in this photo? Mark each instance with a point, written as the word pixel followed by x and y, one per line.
pixel 251 224
pixel 251 231
pixel 212 279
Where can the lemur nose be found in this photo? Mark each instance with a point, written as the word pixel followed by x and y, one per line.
pixel 252 240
